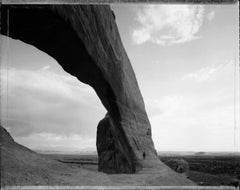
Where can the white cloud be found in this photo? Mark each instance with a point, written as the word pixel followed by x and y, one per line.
pixel 205 74
pixel 202 75
pixel 210 16
pixel 168 24
pixel 46 82
pixel 46 68
pixel 201 117
pixel 43 102
pixel 141 36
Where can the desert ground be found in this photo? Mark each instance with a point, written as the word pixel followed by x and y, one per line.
pixel 206 169
pixel 24 167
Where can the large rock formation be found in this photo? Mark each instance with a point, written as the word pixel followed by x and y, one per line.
pixel 86 43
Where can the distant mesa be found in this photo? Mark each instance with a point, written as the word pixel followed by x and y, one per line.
pixel 200 153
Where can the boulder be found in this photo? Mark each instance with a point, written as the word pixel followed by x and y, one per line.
pixel 178 165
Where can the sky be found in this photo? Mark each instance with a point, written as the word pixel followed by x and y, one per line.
pixel 185 58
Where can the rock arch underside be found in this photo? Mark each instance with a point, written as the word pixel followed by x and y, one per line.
pixel 85 41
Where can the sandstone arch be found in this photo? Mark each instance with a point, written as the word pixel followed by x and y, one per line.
pixel 86 43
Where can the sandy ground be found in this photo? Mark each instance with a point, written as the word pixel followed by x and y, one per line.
pixel 34 169
pixel 21 166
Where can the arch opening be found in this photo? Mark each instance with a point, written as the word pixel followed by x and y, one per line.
pixel 45 30
pixel 85 41
pixel 46 108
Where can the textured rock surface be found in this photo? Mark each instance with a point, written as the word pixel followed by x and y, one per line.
pixel 86 43
pixel 110 158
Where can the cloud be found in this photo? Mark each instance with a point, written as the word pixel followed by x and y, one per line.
pixel 46 68
pixel 43 102
pixel 202 75
pixel 205 74
pixel 168 24
pixel 210 16
pixel 200 117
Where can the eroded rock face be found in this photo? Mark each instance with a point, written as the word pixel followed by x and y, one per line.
pixel 110 158
pixel 84 39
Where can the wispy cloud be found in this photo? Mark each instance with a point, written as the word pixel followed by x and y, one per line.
pixel 201 75
pixel 168 24
pixel 210 16
pixel 45 68
pixel 205 74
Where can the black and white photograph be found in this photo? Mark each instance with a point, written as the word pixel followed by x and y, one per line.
pixel 120 95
